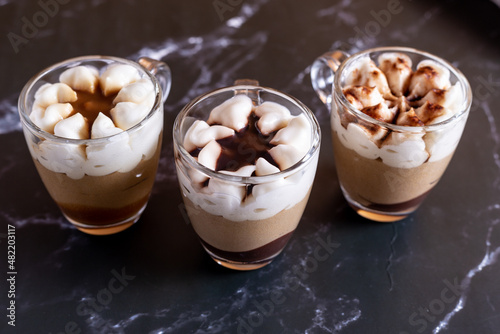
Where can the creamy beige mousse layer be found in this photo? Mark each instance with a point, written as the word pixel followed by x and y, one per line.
pixel 370 181
pixel 247 235
pixel 102 200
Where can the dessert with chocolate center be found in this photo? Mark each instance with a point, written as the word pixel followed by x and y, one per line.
pixel 246 209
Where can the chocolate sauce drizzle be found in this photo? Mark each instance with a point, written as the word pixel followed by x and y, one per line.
pixel 243 148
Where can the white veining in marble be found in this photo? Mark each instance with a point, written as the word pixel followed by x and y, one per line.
pixel 327 319
pixel 495 136
pixel 411 32
pixel 41 219
pixel 9 118
pixel 234 310
pixel 390 258
pixel 342 12
pixel 490 258
pixel 207 50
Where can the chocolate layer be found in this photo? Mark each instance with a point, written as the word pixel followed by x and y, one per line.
pixel 254 255
pixel 99 216
pixel 399 207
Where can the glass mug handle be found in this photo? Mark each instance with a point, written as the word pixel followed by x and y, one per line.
pixel 323 72
pixel 161 71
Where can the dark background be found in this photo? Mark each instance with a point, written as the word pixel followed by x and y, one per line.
pixel 434 272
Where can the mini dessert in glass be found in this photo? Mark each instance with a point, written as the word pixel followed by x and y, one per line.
pixel 246 158
pixel 94 127
pixel 397 115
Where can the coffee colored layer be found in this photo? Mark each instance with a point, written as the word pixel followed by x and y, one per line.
pixel 89 105
pixel 369 181
pixel 254 255
pixel 243 236
pixel 102 200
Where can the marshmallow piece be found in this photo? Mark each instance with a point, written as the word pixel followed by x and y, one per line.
pixel 41 89
pixel 209 155
pixel 74 127
pixel 68 159
pixel 273 116
pixel 117 76
pixel 428 75
pixel 353 100
pixel 397 69
pixel 361 96
pixel 260 190
pixel 114 154
pixel 380 112
pixel 48 118
pixel 366 73
pixel 244 171
pixel 286 155
pixel 141 91
pixel 441 144
pixel 127 114
pixel 409 118
pixel 429 112
pixel 264 167
pixel 396 138
pixel 144 141
pixel 228 190
pixel 103 126
pixel 83 78
pixel 363 140
pixel 450 99
pixel 54 93
pixel 355 136
pixel 297 133
pixel 200 134
pixel 197 177
pixel 401 151
pixel 233 113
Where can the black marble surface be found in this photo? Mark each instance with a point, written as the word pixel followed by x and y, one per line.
pixel 437 271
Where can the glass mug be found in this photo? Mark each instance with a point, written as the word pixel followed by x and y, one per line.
pixel 244 221
pixel 386 170
pixel 102 185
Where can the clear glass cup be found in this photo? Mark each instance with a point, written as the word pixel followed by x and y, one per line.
pixel 386 182
pixel 101 185
pixel 248 233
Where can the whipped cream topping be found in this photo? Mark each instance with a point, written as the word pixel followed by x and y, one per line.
pixel 289 138
pixel 133 96
pixel 394 93
pixel 134 99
